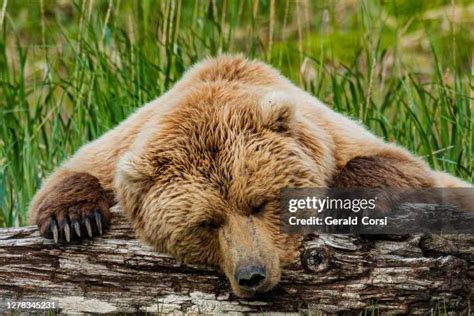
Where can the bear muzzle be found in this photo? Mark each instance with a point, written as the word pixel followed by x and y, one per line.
pixel 251 278
pixel 250 260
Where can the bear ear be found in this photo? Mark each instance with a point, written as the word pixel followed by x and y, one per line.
pixel 133 168
pixel 278 111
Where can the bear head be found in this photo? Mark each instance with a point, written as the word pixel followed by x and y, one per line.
pixel 202 182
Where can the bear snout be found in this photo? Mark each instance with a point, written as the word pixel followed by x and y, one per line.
pixel 251 277
pixel 249 258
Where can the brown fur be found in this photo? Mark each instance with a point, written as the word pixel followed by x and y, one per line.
pixel 198 170
pixel 394 176
pixel 381 172
pixel 73 199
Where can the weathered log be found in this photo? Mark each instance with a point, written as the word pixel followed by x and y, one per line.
pixel 117 273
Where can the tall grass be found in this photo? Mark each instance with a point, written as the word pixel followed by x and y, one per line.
pixel 69 71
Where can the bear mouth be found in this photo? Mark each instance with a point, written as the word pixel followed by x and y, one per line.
pixel 265 292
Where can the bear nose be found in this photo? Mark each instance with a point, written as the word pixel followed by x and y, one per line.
pixel 251 278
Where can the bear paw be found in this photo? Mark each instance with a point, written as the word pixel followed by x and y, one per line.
pixel 75 208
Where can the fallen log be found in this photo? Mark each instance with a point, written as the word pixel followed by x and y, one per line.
pixel 338 273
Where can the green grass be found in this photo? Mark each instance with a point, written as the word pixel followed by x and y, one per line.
pixel 69 71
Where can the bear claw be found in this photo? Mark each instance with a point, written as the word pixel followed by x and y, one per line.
pixel 87 223
pixel 77 228
pixel 70 230
pixel 98 221
pixel 67 232
pixel 54 230
pixel 76 207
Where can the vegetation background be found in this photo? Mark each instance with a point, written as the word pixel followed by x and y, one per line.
pixel 71 70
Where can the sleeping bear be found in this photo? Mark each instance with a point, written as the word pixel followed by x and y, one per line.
pixel 198 170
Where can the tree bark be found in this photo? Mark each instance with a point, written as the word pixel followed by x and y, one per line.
pixel 338 273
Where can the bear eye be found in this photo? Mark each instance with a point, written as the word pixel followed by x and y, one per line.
pixel 210 224
pixel 258 208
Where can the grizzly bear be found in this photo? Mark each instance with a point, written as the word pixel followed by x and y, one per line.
pixel 198 170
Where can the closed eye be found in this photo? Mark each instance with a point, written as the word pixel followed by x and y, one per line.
pixel 258 208
pixel 210 224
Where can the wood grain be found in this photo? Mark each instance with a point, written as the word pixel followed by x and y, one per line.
pixel 117 273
